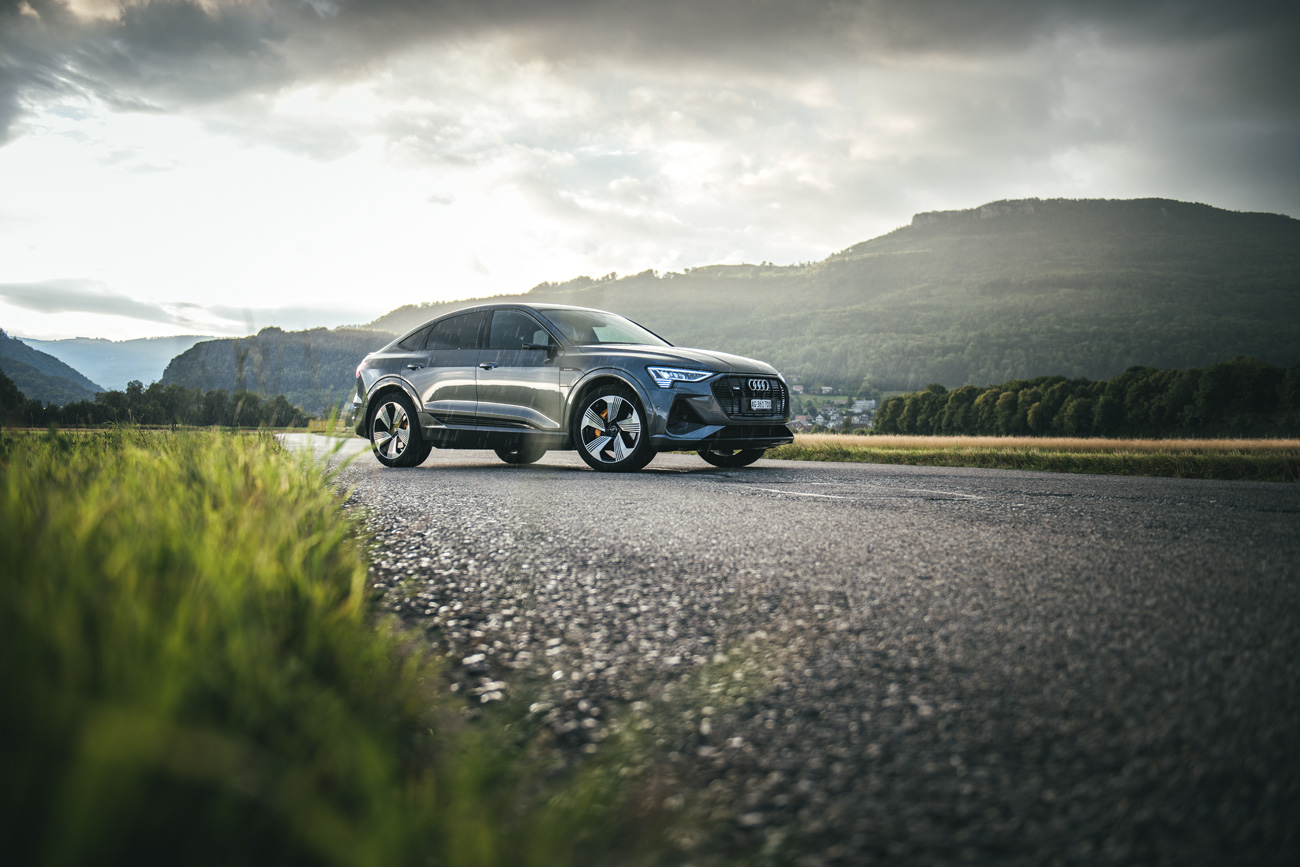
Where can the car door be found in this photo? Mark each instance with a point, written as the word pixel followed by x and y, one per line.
pixel 518 375
pixel 445 372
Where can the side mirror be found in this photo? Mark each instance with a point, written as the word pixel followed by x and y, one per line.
pixel 552 348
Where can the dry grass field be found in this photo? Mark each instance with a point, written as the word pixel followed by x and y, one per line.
pixel 1276 460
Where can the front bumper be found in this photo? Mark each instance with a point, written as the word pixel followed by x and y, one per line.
pixel 725 437
pixel 718 413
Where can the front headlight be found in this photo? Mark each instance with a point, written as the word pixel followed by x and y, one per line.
pixel 664 377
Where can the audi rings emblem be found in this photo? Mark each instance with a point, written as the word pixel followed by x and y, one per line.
pixel 760 385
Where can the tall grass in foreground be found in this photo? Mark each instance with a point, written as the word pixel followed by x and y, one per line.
pixel 190 677
pixel 1256 460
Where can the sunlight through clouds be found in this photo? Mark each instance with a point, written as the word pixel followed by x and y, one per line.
pixel 348 156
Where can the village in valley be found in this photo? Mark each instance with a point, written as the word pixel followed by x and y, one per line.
pixel 818 409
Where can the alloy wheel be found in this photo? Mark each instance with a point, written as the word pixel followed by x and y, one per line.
pixel 392 430
pixel 395 440
pixel 610 435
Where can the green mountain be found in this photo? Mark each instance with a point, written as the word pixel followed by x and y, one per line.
pixel 117 362
pixel 315 369
pixel 43 377
pixel 1009 290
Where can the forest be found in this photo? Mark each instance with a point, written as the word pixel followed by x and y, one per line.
pixel 1240 398
pixel 155 405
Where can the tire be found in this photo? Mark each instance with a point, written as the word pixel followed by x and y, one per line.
pixel 731 457
pixel 394 436
pixel 521 454
pixel 609 431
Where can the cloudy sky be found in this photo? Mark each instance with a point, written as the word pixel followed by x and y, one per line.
pixel 216 166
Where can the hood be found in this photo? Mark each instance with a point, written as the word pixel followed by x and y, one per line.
pixel 679 356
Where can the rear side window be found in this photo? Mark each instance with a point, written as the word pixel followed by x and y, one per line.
pixel 457 332
pixel 414 341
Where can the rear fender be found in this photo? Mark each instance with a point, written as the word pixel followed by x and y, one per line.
pixel 383 386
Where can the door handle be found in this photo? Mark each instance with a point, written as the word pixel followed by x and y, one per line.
pixel 415 367
pixel 489 365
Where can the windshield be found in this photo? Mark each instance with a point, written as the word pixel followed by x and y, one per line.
pixel 585 327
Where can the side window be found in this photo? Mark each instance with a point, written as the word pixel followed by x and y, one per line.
pixel 415 341
pixel 458 332
pixel 511 329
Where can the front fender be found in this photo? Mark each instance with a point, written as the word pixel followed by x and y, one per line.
pixel 602 376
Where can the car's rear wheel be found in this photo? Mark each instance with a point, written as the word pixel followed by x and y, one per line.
pixel 609 431
pixel 394 436
pixel 522 454
pixel 731 457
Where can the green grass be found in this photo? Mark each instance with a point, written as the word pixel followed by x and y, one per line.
pixel 192 675
pixel 1253 460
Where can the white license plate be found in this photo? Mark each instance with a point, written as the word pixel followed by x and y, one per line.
pixel 757 403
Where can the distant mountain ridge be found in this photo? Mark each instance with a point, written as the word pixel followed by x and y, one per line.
pixel 1008 290
pixel 117 362
pixel 41 376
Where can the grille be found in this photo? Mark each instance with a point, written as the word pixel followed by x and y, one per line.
pixel 735 392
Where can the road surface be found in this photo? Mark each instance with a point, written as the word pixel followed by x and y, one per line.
pixel 841 663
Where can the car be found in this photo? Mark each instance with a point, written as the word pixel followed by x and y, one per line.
pixel 523 379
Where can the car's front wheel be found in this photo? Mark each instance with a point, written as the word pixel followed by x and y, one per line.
pixel 731 457
pixel 394 436
pixel 609 431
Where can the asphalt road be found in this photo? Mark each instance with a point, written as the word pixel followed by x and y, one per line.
pixel 839 663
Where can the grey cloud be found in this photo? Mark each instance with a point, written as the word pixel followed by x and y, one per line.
pixel 191 51
pixel 88 296
pixel 169 54
pixel 778 34
pixel 9 89
pixel 84 296
pixel 162 54
pixel 1184 88
pixel 177 52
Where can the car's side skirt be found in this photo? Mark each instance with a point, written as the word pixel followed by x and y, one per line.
pixel 451 436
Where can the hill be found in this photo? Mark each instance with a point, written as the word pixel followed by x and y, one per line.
pixel 43 377
pixel 314 369
pixel 114 363
pixel 1009 290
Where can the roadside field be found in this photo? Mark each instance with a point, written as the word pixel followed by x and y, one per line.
pixel 194 673
pixel 1238 459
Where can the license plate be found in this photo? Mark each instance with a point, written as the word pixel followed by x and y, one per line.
pixel 758 403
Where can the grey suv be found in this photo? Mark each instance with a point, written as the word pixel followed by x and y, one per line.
pixel 524 379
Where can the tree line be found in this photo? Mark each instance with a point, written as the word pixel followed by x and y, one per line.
pixel 156 404
pixel 1242 397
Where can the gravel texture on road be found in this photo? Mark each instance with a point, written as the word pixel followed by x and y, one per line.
pixel 843 664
